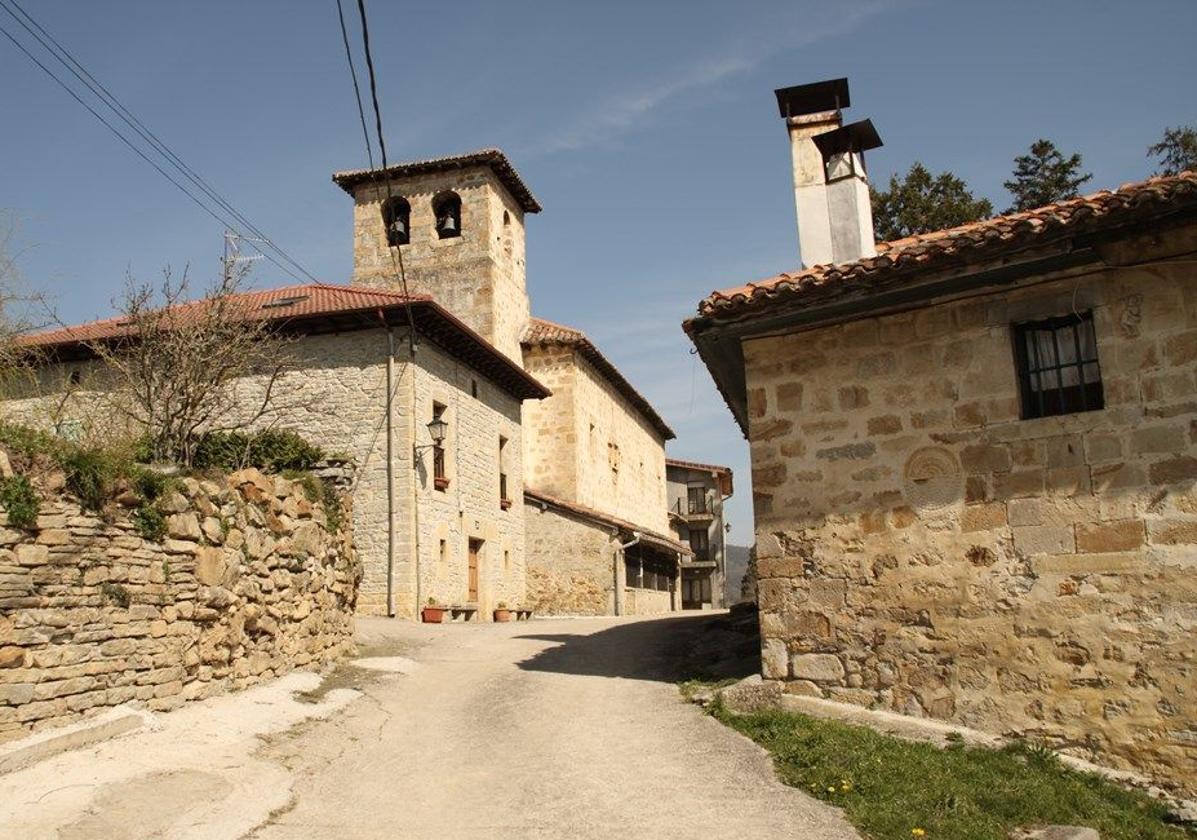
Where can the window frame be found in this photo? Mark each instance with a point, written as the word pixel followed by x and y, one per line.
pixel 1034 403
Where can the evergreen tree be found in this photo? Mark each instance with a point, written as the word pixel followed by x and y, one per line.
pixel 1044 176
pixel 1177 150
pixel 921 202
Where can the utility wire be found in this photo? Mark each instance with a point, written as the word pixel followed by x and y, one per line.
pixel 396 251
pixel 66 59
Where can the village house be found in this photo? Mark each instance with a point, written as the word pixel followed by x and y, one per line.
pixel 696 495
pixel 593 452
pixel 973 456
pixel 477 485
pixel 431 518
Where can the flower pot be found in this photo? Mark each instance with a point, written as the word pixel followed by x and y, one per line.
pixel 503 615
pixel 432 615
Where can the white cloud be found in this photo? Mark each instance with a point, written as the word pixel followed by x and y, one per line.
pixel 626 110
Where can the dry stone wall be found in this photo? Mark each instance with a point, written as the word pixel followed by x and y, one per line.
pixel 923 549
pixel 250 582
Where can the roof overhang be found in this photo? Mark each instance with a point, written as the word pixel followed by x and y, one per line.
pixel 626 530
pixel 720 342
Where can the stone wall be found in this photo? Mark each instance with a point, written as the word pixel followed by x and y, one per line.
pixel 571 567
pixel 479 276
pixel 334 395
pixel 922 548
pixel 248 584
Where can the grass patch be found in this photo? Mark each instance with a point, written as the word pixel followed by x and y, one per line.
pixel 889 787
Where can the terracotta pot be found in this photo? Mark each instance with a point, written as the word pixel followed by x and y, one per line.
pixel 433 615
pixel 502 615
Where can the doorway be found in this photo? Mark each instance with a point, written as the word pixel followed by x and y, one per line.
pixel 472 573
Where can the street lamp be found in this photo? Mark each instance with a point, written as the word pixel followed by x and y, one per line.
pixel 436 430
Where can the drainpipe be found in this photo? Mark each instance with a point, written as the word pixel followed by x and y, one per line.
pixel 619 587
pixel 390 471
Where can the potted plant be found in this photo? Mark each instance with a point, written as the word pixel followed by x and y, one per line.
pixel 432 614
pixel 502 613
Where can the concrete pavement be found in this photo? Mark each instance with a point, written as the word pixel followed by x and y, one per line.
pixel 543 729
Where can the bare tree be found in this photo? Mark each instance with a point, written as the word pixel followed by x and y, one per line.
pixel 18 365
pixel 177 363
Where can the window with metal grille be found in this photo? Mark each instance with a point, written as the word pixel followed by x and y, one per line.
pixel 1058 372
pixel 700 544
pixel 697 497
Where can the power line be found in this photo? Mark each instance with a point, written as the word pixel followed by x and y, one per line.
pixel 396 252
pixel 102 93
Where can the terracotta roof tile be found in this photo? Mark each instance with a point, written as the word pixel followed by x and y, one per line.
pixel 540 331
pixel 313 305
pixel 647 535
pixel 494 158
pixel 971 243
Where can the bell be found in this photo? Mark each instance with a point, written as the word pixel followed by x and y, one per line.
pixel 448 225
pixel 399 231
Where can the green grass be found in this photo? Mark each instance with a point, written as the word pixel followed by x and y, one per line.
pixel 889 787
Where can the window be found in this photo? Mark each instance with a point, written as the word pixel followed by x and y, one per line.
pixel 697 499
pixel 446 207
pixel 504 499
pixel 396 218
pixel 440 476
pixel 444 556
pixel 1057 366
pixel 474 388
pixel 506 559
pixel 613 458
pixel 700 544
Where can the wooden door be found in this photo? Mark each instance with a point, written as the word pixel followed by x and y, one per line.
pixel 475 550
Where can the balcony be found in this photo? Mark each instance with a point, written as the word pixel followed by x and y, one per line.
pixel 693 509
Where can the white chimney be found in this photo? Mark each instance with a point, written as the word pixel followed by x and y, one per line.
pixel 831 188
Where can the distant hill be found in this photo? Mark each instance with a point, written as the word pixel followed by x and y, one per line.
pixel 736 561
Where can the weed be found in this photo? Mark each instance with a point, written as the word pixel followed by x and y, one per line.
pixel 21 501
pixel 150 522
pixel 116 593
pixel 89 474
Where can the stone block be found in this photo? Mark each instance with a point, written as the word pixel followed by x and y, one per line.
pixel 985 458
pixel 1044 539
pixel 983 517
pixel 1119 535
pixel 774 659
pixel 817 667
pixel 1173 470
pixel 1173 532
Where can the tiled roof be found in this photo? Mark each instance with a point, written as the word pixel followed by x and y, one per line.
pixel 695 465
pixel 540 331
pixel 960 246
pixel 321 307
pixel 494 158
pixel 646 535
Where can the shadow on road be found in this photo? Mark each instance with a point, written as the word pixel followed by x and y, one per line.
pixel 668 649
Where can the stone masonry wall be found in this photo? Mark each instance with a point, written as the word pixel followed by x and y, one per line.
pixel 248 584
pixel 621 457
pixel 923 549
pixel 570 564
pixel 334 395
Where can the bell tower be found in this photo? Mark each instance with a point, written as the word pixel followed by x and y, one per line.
pixel 458 223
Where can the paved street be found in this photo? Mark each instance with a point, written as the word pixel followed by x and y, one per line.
pixel 545 729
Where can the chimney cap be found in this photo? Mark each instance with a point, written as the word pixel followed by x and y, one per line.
pixel 829 95
pixel 854 137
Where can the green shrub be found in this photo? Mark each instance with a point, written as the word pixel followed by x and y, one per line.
pixel 28 442
pixel 150 522
pixel 89 474
pixel 20 500
pixel 273 450
pixel 333 512
pixel 151 485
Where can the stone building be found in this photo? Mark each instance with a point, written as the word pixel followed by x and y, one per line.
pixel 696 494
pixel 973 457
pixel 447 521
pixel 438 522
pixel 594 445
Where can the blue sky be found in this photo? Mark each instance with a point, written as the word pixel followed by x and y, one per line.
pixel 648 131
